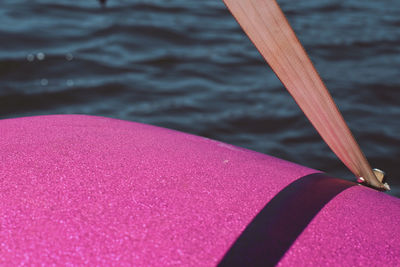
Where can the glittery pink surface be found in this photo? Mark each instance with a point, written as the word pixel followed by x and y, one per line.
pixel 89 190
pixel 360 227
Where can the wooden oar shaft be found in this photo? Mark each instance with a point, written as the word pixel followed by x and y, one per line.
pixel 267 27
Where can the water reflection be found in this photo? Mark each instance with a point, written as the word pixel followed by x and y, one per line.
pixel 44 82
pixel 40 56
pixel 30 57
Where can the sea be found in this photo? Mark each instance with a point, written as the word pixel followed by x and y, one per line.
pixel 187 65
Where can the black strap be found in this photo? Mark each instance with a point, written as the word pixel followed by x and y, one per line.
pixel 281 221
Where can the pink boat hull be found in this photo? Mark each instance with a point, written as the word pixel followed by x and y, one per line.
pixel 98 191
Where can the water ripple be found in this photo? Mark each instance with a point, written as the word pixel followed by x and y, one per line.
pixel 187 65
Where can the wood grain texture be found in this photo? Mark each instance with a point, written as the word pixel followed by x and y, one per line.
pixel 267 27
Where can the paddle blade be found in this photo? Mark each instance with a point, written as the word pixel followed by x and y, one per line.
pixel 267 27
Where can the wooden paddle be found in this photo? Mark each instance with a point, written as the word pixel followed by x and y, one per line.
pixel 267 27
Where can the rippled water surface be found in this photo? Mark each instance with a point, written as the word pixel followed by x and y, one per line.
pixel 186 65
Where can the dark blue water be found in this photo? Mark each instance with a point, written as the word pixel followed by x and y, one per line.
pixel 186 65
